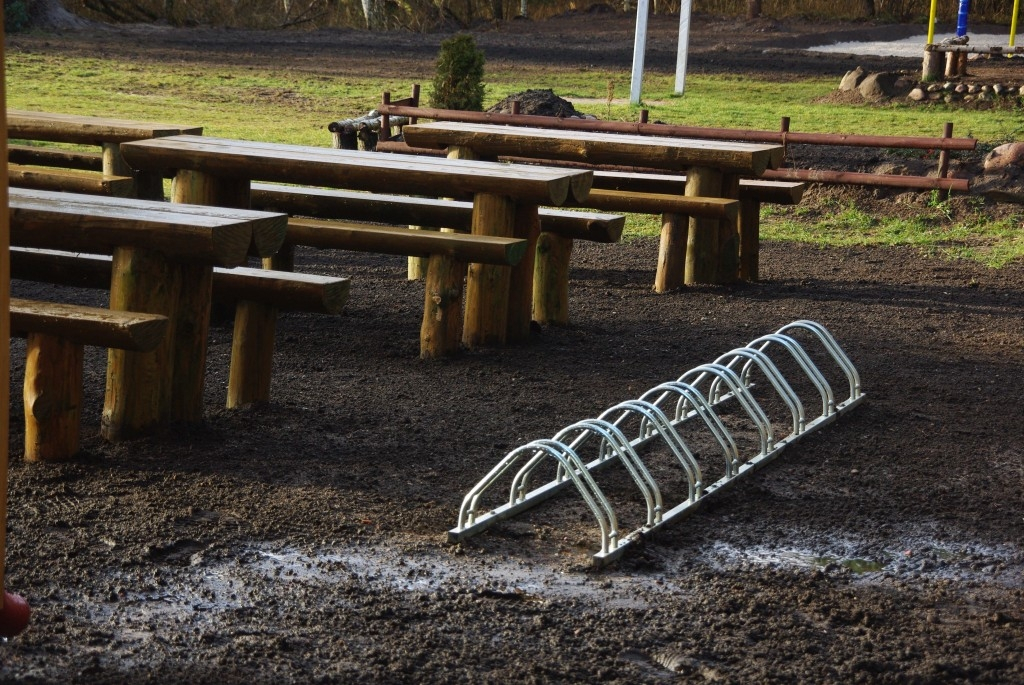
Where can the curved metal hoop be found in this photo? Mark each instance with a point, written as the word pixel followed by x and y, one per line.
pixel 728 378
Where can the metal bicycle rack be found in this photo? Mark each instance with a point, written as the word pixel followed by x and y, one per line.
pixel 659 414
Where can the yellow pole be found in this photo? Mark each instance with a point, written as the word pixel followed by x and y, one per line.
pixel 931 23
pixel 1013 23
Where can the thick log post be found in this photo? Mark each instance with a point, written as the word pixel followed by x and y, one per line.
pixel 147 186
pixel 191 319
pixel 931 67
pixel 487 286
pixel 53 398
pixel 252 342
pixel 671 252
pixel 520 296
pixel 551 279
pixel 729 236
pixel 702 238
pixel 442 310
pixel 750 238
pixel 417 268
pixel 138 391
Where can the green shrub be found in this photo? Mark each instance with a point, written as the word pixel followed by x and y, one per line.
pixel 16 15
pixel 460 71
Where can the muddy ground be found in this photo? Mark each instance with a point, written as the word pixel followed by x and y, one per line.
pixel 305 541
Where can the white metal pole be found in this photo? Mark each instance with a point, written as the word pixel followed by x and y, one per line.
pixel 684 46
pixel 639 45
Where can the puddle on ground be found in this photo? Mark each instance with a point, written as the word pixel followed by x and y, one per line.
pixel 922 559
pixel 204 594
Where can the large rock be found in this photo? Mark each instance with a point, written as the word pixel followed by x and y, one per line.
pixel 881 86
pixel 1006 159
pixel 852 79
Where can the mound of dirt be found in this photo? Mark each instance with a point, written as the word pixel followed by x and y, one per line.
pixel 539 102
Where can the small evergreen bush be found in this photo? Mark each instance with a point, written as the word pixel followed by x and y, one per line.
pixel 460 71
pixel 15 15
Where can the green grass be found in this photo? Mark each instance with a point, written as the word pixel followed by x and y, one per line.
pixel 295 107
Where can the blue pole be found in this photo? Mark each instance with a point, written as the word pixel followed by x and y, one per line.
pixel 961 18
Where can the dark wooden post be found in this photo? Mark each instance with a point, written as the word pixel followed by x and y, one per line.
pixel 520 288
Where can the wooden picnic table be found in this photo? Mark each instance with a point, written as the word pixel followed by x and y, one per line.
pixel 106 132
pixel 505 202
pixel 697 250
pixel 163 260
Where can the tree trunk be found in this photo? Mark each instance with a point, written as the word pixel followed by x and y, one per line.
pixel 373 11
pixel 753 9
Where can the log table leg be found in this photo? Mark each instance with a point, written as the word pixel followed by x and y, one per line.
pixel 442 310
pixel 487 285
pixel 551 279
pixel 53 398
pixel 703 239
pixel 190 321
pixel 147 186
pixel 671 252
pixel 520 296
pixel 729 236
pixel 138 391
pixel 252 342
pixel 750 238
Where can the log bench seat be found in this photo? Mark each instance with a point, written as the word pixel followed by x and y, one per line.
pixel 450 257
pixel 56 334
pixel 558 229
pixel 240 287
pixel 38 155
pixel 70 181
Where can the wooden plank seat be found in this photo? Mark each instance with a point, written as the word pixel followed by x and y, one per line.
pixel 240 287
pixel 37 155
pixel 285 290
pixel 56 334
pixel 323 203
pixel 558 228
pixel 449 256
pixel 69 180
pixel 752 192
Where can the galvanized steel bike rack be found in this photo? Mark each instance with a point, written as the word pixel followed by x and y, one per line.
pixel 658 415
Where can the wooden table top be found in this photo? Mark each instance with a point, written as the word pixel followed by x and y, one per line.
pixel 356 170
pixel 597 147
pixel 71 221
pixel 86 130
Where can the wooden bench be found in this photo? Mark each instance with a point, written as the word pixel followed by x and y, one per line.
pixel 558 229
pixel 163 259
pixel 660 188
pixel 70 181
pixel 106 132
pixel 238 287
pixel 450 258
pixel 37 155
pixel 56 334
